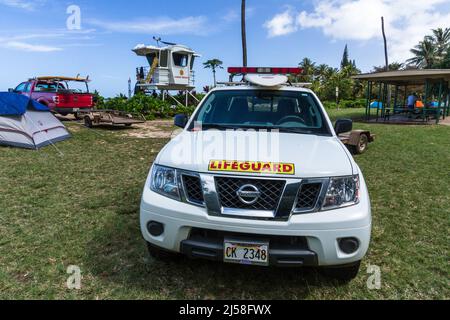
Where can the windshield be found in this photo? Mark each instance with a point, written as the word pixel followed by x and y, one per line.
pixel 49 87
pixel 62 87
pixel 287 111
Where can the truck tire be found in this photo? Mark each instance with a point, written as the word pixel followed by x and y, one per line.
pixel 88 122
pixel 344 274
pixel 362 145
pixel 161 254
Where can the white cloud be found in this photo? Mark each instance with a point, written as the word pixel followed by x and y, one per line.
pixel 407 22
pixel 21 41
pixel 231 16
pixel 23 46
pixel 281 24
pixel 161 25
pixel 22 4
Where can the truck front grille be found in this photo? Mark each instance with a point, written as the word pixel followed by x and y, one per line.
pixel 308 196
pixel 270 193
pixel 193 189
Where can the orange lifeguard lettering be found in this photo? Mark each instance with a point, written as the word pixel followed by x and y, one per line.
pixel 252 167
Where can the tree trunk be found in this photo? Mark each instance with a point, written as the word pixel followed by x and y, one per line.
pixel 244 34
pixel 214 75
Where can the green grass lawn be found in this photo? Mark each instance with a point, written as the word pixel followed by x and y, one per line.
pixel 83 209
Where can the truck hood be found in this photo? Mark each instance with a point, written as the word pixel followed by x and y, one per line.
pixel 313 156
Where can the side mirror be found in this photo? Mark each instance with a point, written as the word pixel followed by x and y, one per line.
pixel 343 126
pixel 10 90
pixel 181 120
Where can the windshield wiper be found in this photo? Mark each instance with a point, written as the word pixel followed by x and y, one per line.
pixel 255 127
pixel 294 130
pixel 218 126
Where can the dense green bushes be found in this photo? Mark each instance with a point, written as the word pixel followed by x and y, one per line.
pixel 346 104
pixel 151 107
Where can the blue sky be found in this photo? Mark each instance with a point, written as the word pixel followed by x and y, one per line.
pixel 34 39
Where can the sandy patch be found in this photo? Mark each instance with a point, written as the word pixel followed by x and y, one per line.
pixel 159 129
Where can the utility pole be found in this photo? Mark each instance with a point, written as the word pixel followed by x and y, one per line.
pixel 385 44
pixel 244 34
pixel 387 90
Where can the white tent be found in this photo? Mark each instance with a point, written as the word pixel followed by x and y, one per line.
pixel 26 124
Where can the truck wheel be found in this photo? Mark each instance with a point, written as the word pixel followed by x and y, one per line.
pixel 344 274
pixel 88 122
pixel 362 145
pixel 160 254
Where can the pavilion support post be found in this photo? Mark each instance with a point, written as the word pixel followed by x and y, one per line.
pixel 438 111
pixel 380 99
pixel 395 98
pixel 369 94
pixel 385 99
pixel 425 102
pixel 406 96
pixel 447 99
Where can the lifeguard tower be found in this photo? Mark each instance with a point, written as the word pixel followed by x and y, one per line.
pixel 170 69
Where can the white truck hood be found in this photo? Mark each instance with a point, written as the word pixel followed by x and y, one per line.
pixel 313 156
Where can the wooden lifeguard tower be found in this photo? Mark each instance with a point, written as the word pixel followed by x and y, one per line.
pixel 171 68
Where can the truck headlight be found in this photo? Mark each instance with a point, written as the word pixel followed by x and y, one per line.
pixel 164 181
pixel 342 192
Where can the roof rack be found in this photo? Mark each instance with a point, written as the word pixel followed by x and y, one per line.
pixel 234 83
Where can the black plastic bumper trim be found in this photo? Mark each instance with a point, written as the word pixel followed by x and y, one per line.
pixel 279 257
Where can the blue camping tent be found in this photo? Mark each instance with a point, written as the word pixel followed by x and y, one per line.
pixel 12 104
pixel 28 124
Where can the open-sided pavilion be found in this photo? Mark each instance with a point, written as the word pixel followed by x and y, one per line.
pixel 387 95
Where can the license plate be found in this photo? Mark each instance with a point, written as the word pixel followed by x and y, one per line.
pixel 246 252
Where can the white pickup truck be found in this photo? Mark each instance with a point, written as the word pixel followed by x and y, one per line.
pixel 259 177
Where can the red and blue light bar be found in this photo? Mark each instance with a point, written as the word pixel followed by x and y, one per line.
pixel 259 70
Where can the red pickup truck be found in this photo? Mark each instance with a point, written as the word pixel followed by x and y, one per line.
pixel 62 95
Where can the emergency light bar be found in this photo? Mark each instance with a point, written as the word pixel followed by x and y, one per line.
pixel 247 70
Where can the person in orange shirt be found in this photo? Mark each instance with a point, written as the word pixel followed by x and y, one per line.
pixel 419 104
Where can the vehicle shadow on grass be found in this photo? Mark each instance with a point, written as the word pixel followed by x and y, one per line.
pixel 117 256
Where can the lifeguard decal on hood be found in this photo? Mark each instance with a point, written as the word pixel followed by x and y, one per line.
pixel 252 167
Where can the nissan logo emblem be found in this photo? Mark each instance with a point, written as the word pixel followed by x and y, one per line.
pixel 248 194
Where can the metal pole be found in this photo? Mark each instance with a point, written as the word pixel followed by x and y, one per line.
pixel 425 100
pixel 438 114
pixel 369 90
pixel 244 33
pixel 447 99
pixel 387 98
pixel 395 99
pixel 379 100
pixel 385 44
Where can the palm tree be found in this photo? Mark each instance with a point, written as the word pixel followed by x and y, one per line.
pixel 308 70
pixel 213 64
pixel 425 54
pixel 350 70
pixel 441 38
pixel 321 71
pixel 392 67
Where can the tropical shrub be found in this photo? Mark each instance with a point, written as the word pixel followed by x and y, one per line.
pixel 151 107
